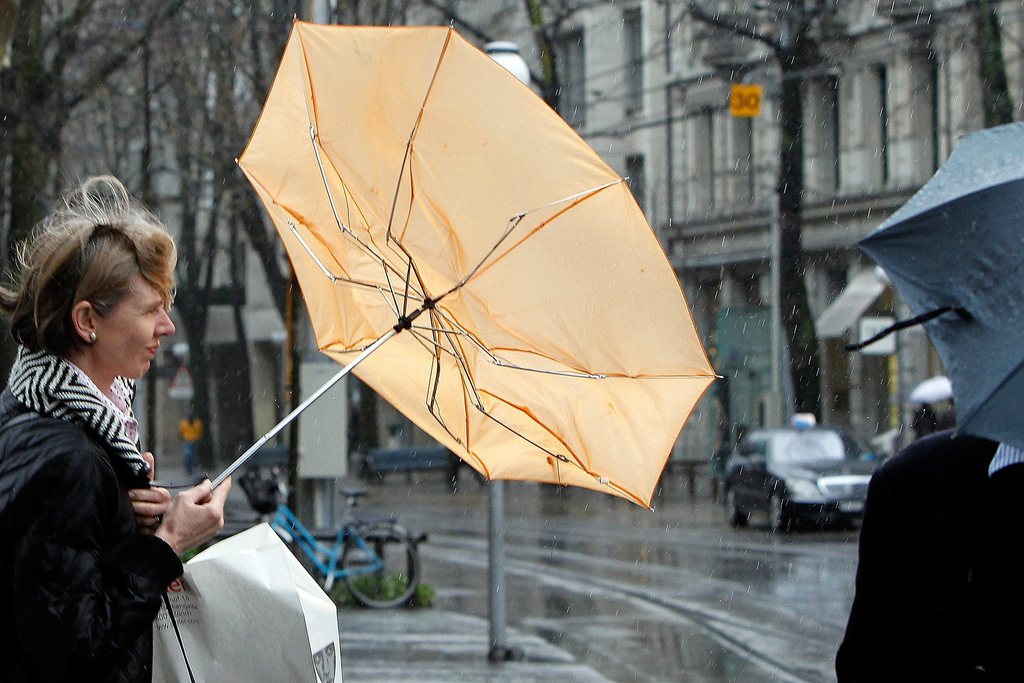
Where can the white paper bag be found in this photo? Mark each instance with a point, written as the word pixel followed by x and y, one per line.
pixel 248 611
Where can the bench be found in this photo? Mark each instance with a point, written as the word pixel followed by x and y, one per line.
pixel 383 461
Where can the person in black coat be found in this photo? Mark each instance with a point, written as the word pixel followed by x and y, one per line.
pixel 925 421
pixel 939 592
pixel 87 548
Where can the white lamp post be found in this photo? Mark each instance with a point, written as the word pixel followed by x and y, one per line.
pixel 506 54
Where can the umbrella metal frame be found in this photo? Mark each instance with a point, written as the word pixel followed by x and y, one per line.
pixel 427 335
pixel 442 336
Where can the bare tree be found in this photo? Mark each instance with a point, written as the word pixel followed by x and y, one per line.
pixel 549 21
pixel 265 37
pixel 160 125
pixel 196 120
pixel 61 54
pixel 791 32
pixel 8 12
pixel 370 12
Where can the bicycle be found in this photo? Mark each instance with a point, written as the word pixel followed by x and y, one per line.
pixel 377 560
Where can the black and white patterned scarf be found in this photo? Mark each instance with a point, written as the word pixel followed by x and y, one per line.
pixel 51 386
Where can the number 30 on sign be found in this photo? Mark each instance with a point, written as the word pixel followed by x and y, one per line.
pixel 745 100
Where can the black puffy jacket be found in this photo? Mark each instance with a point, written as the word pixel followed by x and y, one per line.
pixel 79 585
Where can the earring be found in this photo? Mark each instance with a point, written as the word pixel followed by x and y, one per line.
pixel 92 337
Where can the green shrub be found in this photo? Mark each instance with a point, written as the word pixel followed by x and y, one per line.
pixel 423 597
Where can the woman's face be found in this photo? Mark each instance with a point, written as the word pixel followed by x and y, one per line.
pixel 127 340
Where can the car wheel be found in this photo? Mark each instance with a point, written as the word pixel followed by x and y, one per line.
pixel 733 515
pixel 778 517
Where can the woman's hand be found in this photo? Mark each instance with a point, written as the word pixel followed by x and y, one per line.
pixel 195 516
pixel 150 504
pixel 150 507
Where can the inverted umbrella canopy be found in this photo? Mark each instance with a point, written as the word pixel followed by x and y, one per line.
pixel 420 188
pixel 959 244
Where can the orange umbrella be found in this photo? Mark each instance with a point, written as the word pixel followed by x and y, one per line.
pixel 427 198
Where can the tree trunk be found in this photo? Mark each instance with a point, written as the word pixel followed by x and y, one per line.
pixel 199 365
pixel 29 143
pixel 33 141
pixel 796 312
pixel 995 91
pixel 236 397
pixel 264 243
pixel 550 86
pixel 193 275
pixel 148 200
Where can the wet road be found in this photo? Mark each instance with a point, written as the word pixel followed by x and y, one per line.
pixel 668 595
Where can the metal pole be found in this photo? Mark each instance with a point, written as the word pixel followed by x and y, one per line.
pixel 898 354
pixel 775 418
pixel 506 54
pixel 498 597
pixel 903 355
pixel 669 137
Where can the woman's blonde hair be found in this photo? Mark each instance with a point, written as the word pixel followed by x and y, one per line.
pixel 86 250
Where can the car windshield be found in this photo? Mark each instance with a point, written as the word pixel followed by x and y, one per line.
pixel 811 445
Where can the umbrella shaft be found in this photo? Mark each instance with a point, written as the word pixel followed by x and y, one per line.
pixel 301 407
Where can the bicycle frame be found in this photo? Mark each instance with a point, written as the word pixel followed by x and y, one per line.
pixel 325 558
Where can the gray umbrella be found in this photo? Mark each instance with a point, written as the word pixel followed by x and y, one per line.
pixel 955 252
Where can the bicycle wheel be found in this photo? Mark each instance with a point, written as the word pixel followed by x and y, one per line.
pixel 393 580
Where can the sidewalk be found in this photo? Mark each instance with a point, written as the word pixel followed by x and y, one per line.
pixel 450 642
pixel 430 645
pixel 438 646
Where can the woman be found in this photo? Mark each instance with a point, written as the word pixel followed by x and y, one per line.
pixel 86 547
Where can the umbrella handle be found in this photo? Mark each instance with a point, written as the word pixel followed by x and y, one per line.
pixel 916 320
pixel 301 407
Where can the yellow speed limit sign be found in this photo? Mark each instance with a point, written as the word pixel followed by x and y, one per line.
pixel 745 100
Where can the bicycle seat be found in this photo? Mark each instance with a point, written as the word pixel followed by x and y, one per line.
pixel 352 490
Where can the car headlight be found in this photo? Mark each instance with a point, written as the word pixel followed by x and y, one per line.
pixel 804 491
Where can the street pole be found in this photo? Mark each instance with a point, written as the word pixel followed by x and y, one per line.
pixel 506 54
pixel 786 41
pixel 903 354
pixel 774 416
pixel 497 595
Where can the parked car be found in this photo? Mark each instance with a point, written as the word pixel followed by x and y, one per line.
pixel 815 474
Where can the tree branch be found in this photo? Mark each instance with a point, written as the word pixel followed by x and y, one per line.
pixel 66 35
pixel 460 22
pixel 733 23
pixel 115 61
pixel 249 214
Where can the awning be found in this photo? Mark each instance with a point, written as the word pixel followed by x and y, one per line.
pixel 860 293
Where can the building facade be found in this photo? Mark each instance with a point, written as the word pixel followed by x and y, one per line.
pixel 648 85
pixel 898 83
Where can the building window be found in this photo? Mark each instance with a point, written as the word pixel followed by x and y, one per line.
pixel 743 160
pixel 822 142
pixel 882 84
pixel 632 28
pixel 709 132
pixel 572 103
pixel 636 178
pixel 933 100
pixel 832 123
pixel 702 143
pixel 922 159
